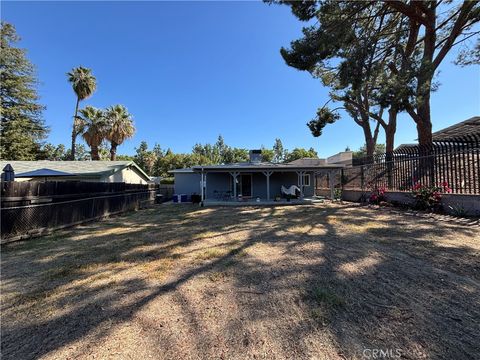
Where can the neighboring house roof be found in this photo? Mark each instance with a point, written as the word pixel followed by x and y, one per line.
pixel 457 131
pixel 308 161
pixel 43 172
pixel 178 171
pixel 406 146
pixel 74 168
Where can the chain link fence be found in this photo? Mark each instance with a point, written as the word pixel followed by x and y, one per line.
pixel 18 222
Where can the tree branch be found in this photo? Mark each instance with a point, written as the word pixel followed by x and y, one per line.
pixel 465 9
pixel 407 10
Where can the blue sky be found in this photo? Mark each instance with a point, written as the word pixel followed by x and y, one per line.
pixel 189 71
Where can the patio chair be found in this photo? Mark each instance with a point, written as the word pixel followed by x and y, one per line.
pixel 217 195
pixel 292 190
pixel 227 195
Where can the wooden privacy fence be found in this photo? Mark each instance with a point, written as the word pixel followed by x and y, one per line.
pixel 47 206
pixel 457 163
pixel 166 190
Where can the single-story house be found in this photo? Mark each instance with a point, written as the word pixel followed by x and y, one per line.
pixel 253 179
pixel 94 171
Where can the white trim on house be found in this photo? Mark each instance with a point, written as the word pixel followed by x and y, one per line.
pixel 306 180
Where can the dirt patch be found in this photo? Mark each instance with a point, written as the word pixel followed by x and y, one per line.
pixel 328 281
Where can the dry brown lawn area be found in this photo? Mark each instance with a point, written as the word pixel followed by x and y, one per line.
pixel 294 282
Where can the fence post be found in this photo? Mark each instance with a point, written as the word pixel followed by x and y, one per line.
pixel 362 178
pixel 342 177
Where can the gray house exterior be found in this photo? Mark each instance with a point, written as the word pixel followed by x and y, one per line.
pixel 253 179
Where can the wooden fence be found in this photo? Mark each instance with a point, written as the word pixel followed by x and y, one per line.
pixel 166 190
pixel 34 208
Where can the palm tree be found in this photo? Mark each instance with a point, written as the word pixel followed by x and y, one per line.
pixel 93 127
pixel 84 85
pixel 120 127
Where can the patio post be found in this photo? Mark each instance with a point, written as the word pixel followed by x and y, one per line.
pixel 300 182
pixel 234 176
pixel 331 180
pixel 267 174
pixel 201 186
pixel 205 184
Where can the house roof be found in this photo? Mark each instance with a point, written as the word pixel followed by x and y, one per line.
pixel 43 172
pixel 181 171
pixel 308 162
pixel 248 166
pixel 470 127
pixel 74 168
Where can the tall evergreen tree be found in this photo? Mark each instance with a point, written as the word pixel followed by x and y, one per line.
pixel 278 151
pixel 22 125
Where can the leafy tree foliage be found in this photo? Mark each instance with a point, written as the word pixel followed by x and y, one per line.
pixel 362 152
pixel 60 153
pixel 145 158
pixel 219 153
pixel 391 51
pixel 157 162
pixel 52 152
pixel 279 152
pixel 267 154
pixel 22 126
pixel 299 153
pixel 324 116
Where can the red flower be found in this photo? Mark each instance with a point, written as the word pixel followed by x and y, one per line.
pixel 417 186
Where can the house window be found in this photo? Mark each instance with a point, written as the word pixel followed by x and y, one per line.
pixel 306 180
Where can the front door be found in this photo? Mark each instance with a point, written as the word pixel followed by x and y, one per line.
pixel 246 184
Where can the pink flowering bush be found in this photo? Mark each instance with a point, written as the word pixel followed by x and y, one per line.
pixel 429 197
pixel 377 195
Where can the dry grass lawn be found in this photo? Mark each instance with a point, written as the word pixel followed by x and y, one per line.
pixel 295 282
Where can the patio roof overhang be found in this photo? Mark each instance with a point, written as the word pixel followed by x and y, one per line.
pixel 266 167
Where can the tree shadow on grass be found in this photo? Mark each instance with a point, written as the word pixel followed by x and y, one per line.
pixel 349 285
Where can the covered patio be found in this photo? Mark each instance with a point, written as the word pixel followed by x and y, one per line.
pixel 261 182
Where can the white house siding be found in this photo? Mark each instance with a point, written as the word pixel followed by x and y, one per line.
pixel 126 175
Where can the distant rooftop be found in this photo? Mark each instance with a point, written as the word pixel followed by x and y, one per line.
pixel 43 173
pixel 308 161
pixel 470 127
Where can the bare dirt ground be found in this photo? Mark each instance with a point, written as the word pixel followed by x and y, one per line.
pixel 328 281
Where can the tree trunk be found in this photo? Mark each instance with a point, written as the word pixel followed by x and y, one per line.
pixel 424 84
pixel 369 143
pixel 113 151
pixel 94 152
pixel 74 131
pixel 390 130
pixel 424 130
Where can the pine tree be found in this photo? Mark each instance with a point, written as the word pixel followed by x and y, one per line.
pixel 22 125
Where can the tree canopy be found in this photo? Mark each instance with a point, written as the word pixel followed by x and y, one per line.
pixel 22 126
pixel 120 127
pixel 379 55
